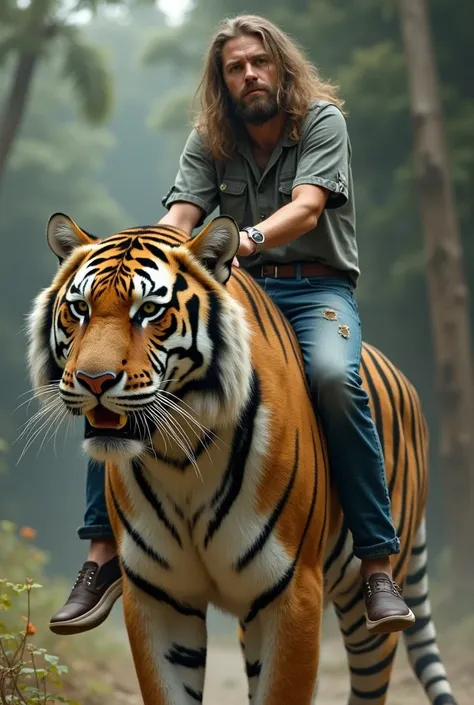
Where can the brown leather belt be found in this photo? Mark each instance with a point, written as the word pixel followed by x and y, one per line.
pixel 291 270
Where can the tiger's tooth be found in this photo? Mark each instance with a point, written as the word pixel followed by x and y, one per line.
pixel 123 421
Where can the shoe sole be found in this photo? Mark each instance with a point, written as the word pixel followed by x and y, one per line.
pixel 94 617
pixel 386 625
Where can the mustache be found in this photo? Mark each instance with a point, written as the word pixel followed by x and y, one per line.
pixel 254 87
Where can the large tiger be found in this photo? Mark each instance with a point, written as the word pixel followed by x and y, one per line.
pixel 218 490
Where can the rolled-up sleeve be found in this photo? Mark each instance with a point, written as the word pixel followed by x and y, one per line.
pixel 196 180
pixel 324 158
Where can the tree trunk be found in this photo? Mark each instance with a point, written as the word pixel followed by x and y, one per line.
pixel 14 108
pixel 448 293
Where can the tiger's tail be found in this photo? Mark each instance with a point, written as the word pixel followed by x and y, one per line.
pixel 420 639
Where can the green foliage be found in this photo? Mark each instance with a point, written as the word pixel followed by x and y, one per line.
pixel 26 642
pixel 26 671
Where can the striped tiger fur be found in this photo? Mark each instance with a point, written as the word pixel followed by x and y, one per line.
pixel 217 474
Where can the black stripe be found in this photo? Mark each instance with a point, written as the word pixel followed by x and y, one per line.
pixel 445 699
pixel 434 680
pixel 261 540
pixel 135 536
pixel 156 252
pixel 425 661
pixel 337 550
pixel 161 596
pixel 422 644
pixel 371 643
pixel 416 577
pixel 253 669
pixel 238 280
pixel 194 694
pixel 234 475
pixel 418 550
pixel 266 303
pixel 420 624
pixel 370 694
pixel 180 655
pixel 271 594
pixel 154 501
pixel 416 601
pixel 376 667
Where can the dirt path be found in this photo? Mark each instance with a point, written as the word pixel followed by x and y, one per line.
pixel 225 684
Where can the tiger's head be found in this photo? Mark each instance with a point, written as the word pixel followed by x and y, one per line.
pixel 136 323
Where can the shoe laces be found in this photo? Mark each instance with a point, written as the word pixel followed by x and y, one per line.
pixel 85 576
pixel 381 585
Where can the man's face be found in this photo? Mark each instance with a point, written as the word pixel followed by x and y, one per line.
pixel 251 79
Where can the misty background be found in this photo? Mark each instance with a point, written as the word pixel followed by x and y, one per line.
pixel 100 138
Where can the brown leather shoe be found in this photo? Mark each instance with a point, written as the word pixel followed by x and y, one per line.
pixel 92 597
pixel 385 609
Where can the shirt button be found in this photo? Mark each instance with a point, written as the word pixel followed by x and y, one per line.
pixel 262 217
pixel 223 187
pixel 260 189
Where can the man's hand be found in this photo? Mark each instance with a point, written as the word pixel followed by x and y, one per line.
pixel 247 247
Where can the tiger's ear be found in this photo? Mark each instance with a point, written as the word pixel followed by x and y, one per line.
pixel 216 246
pixel 64 235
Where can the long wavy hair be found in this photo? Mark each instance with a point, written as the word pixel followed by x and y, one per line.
pixel 298 80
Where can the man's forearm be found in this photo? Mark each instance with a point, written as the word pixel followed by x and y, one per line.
pixel 287 224
pixel 184 216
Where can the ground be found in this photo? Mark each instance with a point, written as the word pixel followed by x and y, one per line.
pixel 226 685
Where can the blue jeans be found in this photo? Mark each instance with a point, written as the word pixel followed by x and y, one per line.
pixel 323 313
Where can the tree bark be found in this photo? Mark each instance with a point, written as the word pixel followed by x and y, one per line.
pixel 15 105
pixel 447 289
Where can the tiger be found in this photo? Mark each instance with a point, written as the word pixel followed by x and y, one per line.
pixel 192 385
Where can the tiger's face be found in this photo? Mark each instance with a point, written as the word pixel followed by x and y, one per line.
pixel 134 325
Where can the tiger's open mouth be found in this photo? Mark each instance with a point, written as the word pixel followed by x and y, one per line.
pixel 100 417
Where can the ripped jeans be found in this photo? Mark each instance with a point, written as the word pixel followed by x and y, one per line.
pixel 323 313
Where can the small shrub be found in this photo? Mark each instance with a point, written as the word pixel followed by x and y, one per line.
pixel 26 671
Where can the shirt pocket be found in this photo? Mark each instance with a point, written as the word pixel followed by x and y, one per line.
pixel 233 199
pixel 285 188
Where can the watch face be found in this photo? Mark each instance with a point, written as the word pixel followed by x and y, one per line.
pixel 257 237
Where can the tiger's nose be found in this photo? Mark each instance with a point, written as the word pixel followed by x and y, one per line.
pixel 97 384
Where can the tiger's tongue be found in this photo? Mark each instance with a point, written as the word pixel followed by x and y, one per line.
pixel 100 417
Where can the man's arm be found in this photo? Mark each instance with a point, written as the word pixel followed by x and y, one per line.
pixel 182 215
pixel 320 182
pixel 290 221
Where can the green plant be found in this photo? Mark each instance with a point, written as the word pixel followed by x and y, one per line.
pixel 26 671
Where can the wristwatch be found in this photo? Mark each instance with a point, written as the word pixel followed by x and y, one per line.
pixel 256 236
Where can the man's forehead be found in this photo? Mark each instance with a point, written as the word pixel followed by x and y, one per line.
pixel 244 45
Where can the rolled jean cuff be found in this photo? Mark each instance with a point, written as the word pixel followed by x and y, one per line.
pixel 386 548
pixel 99 531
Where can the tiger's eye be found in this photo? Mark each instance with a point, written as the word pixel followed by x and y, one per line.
pixel 81 306
pixel 149 307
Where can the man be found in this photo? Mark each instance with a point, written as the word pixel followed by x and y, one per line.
pixel 270 148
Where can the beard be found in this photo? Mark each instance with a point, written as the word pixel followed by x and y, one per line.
pixel 259 110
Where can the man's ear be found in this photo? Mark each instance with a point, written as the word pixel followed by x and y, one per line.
pixel 64 235
pixel 216 246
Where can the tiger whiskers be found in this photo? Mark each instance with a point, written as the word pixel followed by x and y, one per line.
pixel 164 422
pixel 188 415
pixel 54 411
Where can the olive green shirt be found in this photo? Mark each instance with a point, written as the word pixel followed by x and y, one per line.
pixel 322 157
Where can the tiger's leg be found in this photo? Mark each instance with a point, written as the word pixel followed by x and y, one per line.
pixel 420 639
pixel 168 641
pixel 282 642
pixel 370 656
